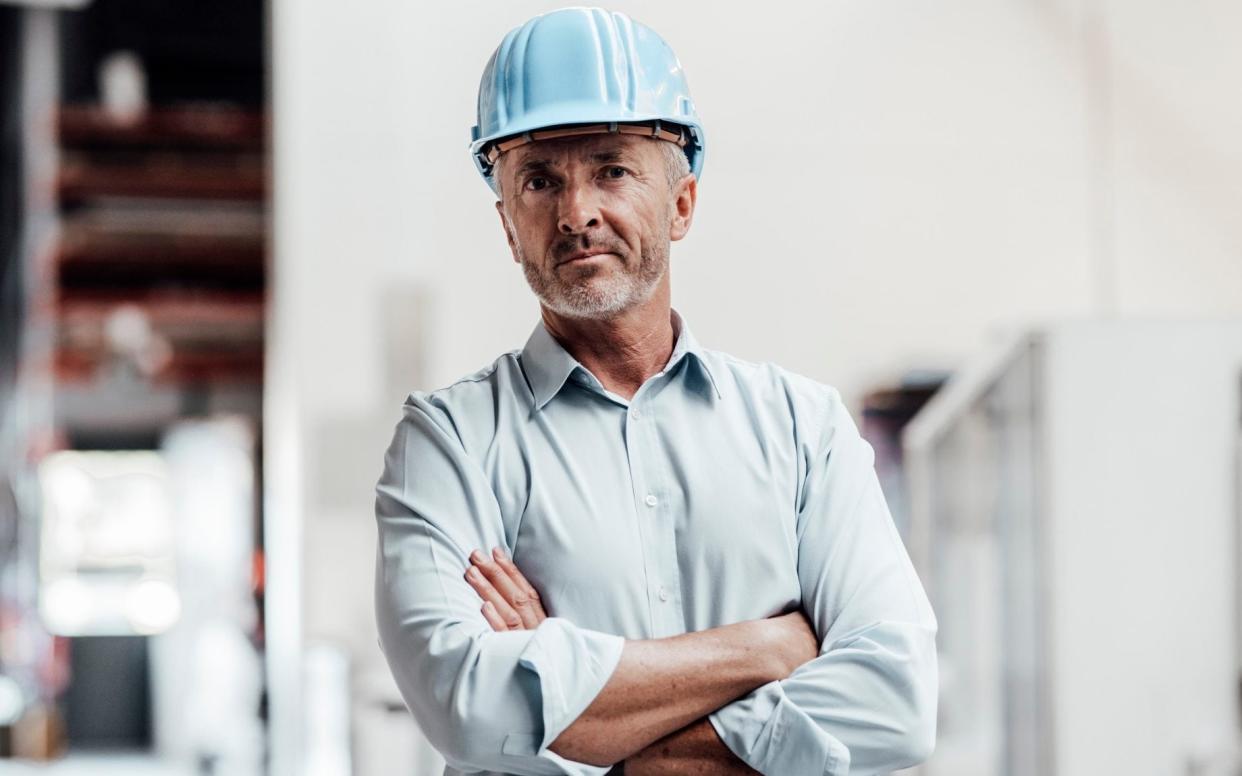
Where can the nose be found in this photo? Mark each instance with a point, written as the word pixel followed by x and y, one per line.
pixel 578 210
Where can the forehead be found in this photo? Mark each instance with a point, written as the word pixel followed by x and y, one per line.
pixel 582 148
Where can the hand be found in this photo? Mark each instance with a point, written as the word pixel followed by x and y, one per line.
pixel 792 641
pixel 509 601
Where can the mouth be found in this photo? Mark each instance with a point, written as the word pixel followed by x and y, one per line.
pixel 582 256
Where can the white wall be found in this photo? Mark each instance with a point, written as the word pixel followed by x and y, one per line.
pixel 885 183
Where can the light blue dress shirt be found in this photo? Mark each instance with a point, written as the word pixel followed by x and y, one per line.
pixel 722 491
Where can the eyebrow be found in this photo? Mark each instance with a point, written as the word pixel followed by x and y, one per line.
pixel 534 165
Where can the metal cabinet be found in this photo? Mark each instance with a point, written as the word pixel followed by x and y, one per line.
pixel 1074 500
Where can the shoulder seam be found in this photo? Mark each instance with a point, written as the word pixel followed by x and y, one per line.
pixel 477 376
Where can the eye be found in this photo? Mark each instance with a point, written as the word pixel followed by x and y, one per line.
pixel 615 172
pixel 536 183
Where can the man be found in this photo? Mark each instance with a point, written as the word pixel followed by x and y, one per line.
pixel 727 591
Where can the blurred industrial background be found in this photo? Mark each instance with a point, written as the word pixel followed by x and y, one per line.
pixel 234 235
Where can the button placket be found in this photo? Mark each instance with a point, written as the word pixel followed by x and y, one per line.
pixel 636 454
pixel 665 585
pixel 642 454
pixel 649 469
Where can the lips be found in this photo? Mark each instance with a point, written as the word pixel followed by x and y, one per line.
pixel 582 255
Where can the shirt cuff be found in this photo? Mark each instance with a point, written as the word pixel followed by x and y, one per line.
pixel 771 734
pixel 572 665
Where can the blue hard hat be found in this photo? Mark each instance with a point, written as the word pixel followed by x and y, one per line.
pixel 579 71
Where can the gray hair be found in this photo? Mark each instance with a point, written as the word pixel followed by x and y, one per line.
pixel 676 163
pixel 676 166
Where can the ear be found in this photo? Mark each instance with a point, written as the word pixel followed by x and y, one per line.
pixel 504 224
pixel 685 195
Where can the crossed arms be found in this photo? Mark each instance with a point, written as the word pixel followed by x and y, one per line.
pixel 558 698
pixel 659 685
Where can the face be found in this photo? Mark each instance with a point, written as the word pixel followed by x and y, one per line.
pixel 590 220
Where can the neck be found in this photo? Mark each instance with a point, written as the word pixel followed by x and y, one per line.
pixel 621 351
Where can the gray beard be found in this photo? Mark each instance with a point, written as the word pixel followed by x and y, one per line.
pixel 574 296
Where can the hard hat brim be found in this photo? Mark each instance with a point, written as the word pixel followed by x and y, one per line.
pixel 658 130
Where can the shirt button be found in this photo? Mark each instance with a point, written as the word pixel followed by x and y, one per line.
pixel 651 500
pixel 663 594
pixel 636 414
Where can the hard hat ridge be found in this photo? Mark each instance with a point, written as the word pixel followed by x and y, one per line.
pixel 581 71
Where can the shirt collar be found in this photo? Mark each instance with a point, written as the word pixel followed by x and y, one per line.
pixel 548 365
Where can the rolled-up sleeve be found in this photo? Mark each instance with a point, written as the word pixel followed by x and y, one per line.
pixel 486 700
pixel 867 704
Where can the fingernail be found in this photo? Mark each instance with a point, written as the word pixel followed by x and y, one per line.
pixel 476 556
pixel 498 554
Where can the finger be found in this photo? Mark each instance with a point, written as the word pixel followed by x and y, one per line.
pixel 491 595
pixel 515 574
pixel 493 617
pixel 514 597
pixel 522 583
pixel 518 592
